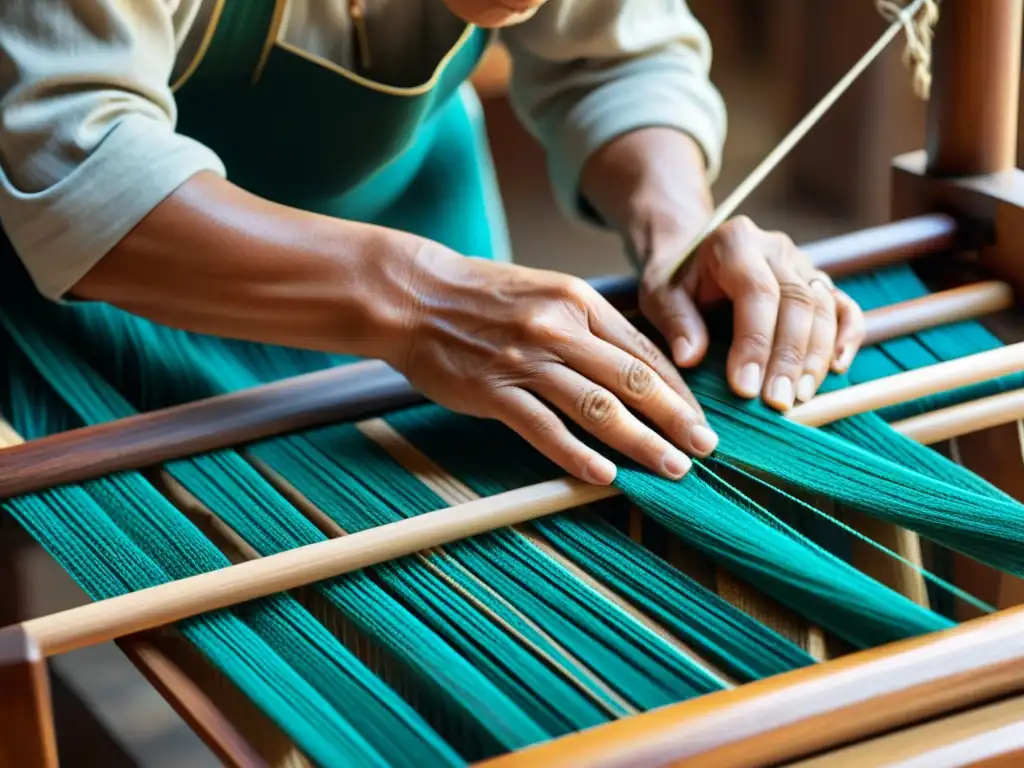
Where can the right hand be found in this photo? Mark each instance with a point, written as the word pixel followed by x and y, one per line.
pixel 516 344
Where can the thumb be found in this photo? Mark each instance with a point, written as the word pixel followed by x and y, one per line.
pixel 674 314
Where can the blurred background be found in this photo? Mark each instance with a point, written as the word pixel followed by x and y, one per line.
pixel 773 60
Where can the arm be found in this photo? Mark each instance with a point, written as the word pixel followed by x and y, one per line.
pixel 620 96
pixel 104 201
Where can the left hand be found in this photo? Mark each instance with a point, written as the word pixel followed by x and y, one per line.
pixel 791 325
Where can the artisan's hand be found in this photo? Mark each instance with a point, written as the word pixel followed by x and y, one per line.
pixel 520 345
pixel 790 324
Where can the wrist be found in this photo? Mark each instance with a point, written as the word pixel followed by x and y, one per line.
pixel 651 187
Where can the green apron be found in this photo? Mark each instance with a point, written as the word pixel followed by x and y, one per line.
pixel 306 133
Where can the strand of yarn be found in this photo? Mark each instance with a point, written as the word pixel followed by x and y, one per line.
pixel 919 27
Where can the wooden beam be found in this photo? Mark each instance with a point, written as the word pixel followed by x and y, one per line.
pixel 798 713
pixel 27 737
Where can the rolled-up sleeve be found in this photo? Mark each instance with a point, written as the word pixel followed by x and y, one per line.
pixel 587 71
pixel 87 129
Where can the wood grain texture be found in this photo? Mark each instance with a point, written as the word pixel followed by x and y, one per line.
pixel 972 113
pixel 338 394
pixel 27 736
pixel 799 713
pixel 979 736
pixel 354 392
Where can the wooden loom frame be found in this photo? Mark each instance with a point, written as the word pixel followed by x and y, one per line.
pixel 967 171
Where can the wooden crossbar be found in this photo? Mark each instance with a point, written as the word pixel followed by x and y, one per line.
pixel 169 603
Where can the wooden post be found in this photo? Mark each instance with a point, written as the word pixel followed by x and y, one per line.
pixel 972 115
pixel 27 737
pixel 970 168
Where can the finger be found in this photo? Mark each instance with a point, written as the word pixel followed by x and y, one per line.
pixel 740 269
pixel 603 415
pixel 608 324
pixel 823 339
pixel 792 334
pixel 540 427
pixel 677 318
pixel 639 386
pixel 850 333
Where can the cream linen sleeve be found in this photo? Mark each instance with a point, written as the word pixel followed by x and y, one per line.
pixel 87 128
pixel 587 71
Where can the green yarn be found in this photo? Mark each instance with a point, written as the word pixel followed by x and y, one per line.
pixel 498 644
pixel 737 534
pixel 983 525
pixel 743 647
pixel 270 524
pixel 88 529
pixel 947 342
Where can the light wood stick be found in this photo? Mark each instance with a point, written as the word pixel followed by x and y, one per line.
pixel 910 385
pixel 168 603
pixel 956 420
pixel 964 303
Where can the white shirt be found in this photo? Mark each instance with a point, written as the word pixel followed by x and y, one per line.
pixel 87 115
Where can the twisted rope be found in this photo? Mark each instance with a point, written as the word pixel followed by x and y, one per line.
pixel 919 28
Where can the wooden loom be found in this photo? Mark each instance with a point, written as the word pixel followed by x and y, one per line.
pixel 950 699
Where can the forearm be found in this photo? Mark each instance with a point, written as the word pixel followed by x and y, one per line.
pixel 214 259
pixel 647 185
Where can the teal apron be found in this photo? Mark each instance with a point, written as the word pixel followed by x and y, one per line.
pixel 309 134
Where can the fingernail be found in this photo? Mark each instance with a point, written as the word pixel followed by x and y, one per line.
pixel 675 464
pixel 703 439
pixel 681 351
pixel 749 381
pixel 806 388
pixel 781 392
pixel 599 471
pixel 845 358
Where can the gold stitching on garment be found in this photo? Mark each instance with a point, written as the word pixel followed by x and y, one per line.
pixel 392 90
pixel 272 34
pixel 204 46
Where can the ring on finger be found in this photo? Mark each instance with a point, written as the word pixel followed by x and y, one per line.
pixel 821 277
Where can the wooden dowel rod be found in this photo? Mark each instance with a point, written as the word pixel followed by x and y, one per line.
pixel 350 393
pixel 168 603
pixel 963 303
pixel 956 420
pixel 910 385
pixel 868 249
pixel 788 716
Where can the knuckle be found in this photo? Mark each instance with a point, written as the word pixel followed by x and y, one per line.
pixel 597 407
pixel 646 348
pixel 797 293
pixel 574 290
pixel 637 379
pixel 546 328
pixel 788 356
pixel 758 343
pixel 540 424
pixel 650 445
pixel 742 223
pixel 511 357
